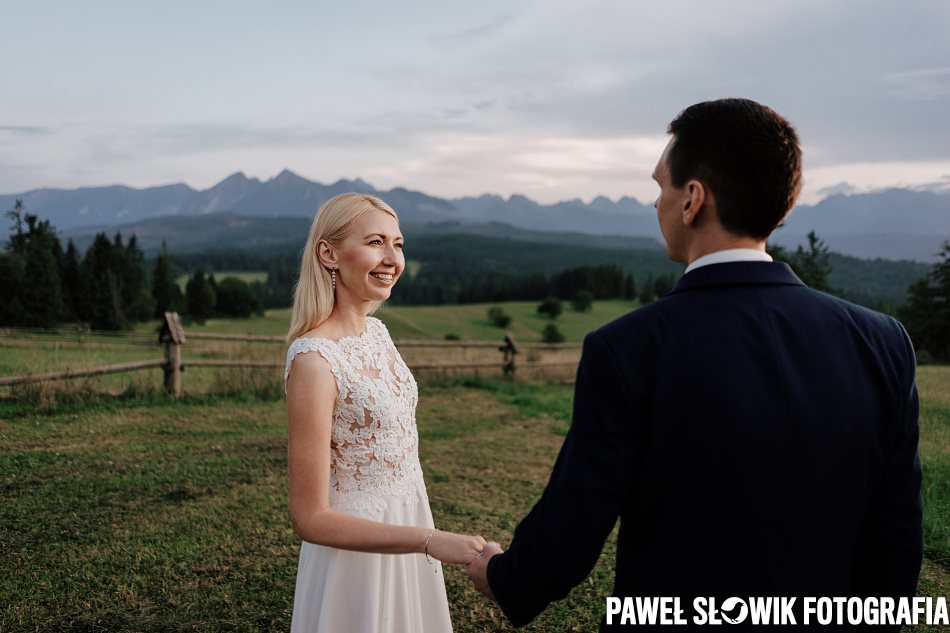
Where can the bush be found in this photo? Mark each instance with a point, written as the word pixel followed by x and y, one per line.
pixel 550 334
pixel 498 317
pixel 235 298
pixel 551 307
pixel 582 301
pixel 452 337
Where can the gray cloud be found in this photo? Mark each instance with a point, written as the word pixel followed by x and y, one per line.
pixel 475 32
pixel 926 84
pixel 24 129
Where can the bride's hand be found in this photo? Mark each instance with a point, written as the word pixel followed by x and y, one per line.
pixel 457 549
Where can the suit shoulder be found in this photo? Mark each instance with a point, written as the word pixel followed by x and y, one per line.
pixel 638 321
pixel 860 314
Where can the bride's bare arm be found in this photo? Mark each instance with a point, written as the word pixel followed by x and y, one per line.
pixel 311 396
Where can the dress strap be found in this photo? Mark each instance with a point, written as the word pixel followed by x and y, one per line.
pixel 326 348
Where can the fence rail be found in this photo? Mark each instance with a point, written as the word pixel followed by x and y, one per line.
pixel 537 357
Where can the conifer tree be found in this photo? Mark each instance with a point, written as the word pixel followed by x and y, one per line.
pixel 71 278
pixel 138 300
pixel 165 291
pixel 199 297
pixel 629 288
pixel 102 286
pixel 926 315
pixel 38 292
pixel 12 273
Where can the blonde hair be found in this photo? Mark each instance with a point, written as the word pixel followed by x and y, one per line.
pixel 313 294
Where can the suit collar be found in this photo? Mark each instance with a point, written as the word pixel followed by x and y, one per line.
pixel 738 274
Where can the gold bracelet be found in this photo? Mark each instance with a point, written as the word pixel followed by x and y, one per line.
pixel 429 536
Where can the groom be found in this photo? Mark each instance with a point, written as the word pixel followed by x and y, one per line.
pixel 754 437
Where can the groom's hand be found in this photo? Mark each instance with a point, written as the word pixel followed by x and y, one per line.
pixel 478 569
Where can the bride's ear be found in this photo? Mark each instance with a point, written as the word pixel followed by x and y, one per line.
pixel 326 254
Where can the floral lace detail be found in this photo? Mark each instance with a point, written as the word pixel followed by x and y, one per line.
pixel 373 443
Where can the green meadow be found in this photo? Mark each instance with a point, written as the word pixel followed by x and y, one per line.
pixel 142 514
pixel 468 321
pixel 138 513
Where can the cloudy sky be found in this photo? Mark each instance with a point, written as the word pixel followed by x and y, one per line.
pixel 550 99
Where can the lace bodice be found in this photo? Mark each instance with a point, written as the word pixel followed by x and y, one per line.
pixel 373 441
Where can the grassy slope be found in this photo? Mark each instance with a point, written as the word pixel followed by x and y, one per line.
pixel 158 515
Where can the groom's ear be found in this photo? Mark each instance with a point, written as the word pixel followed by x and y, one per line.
pixel 693 201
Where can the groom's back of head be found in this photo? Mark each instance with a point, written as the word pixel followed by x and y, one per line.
pixel 746 154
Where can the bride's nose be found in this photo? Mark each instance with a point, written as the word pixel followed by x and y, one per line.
pixel 391 256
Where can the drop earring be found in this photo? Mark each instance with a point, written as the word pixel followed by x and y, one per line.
pixel 333 277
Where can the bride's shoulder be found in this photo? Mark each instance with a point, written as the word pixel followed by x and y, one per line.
pixel 377 323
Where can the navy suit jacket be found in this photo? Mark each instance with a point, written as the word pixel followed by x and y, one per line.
pixel 755 438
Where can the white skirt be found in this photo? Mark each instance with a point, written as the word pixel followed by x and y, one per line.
pixel 339 591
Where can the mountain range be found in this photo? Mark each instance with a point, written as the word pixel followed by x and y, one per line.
pixel 889 224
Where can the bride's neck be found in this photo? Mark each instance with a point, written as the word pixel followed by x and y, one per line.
pixel 349 319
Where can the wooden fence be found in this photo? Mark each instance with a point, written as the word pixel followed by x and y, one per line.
pixel 508 358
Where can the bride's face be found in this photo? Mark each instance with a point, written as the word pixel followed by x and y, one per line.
pixel 370 258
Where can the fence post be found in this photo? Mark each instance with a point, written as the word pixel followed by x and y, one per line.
pixel 173 336
pixel 509 350
pixel 83 330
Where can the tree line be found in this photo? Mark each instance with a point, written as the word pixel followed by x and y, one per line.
pixel 110 287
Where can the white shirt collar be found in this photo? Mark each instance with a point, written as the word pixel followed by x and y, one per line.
pixel 730 255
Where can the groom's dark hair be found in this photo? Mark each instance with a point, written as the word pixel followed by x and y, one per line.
pixel 746 154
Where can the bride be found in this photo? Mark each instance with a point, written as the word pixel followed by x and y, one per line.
pixel 370 557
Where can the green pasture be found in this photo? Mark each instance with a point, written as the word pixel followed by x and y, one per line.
pixel 468 321
pixel 143 514
pixel 25 352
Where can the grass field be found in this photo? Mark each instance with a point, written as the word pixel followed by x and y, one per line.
pixel 143 514
pixel 23 352
pixel 469 321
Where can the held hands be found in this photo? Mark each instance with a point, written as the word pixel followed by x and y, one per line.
pixel 461 549
pixel 457 549
pixel 478 569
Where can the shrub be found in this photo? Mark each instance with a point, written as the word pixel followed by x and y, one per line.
pixel 551 307
pixel 498 317
pixel 582 301
pixel 550 334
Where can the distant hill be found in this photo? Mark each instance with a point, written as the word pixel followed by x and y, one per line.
pixel 892 224
pixel 195 234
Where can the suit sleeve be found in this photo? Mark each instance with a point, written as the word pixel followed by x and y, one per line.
pixel 888 560
pixel 556 545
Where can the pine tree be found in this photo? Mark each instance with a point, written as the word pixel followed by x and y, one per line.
pixel 629 288
pixel 138 300
pixel 71 278
pixel 926 315
pixel 813 265
pixel 199 297
pixel 165 291
pixel 39 292
pixel 102 286
pixel 12 273
pixel 646 293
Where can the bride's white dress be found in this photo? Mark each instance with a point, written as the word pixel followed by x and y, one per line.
pixel 375 474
